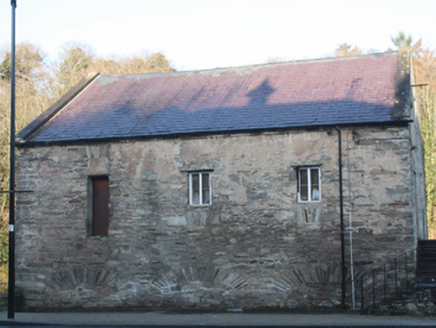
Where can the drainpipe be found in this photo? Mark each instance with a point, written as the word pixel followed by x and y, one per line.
pixel 341 200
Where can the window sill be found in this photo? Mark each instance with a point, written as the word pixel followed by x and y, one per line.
pixel 200 206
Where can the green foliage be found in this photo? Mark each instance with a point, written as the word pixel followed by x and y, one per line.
pixel 402 40
pixel 5 68
pixel 346 50
pixel 424 61
pixel 78 61
pixel 75 61
pixel 427 109
pixel 4 243
pixel 28 62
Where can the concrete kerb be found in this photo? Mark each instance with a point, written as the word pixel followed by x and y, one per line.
pixel 181 320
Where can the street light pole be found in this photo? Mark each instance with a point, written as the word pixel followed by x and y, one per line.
pixel 11 281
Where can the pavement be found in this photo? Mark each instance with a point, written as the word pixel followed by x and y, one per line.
pixel 227 319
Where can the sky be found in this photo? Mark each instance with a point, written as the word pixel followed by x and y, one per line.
pixel 203 34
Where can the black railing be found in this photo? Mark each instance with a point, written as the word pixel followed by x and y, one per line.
pixel 387 284
pixel 426 264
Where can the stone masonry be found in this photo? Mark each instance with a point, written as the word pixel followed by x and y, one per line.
pixel 255 246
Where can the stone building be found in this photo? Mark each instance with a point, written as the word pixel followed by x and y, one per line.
pixel 219 188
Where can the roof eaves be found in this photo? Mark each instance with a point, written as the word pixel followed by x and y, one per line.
pixel 31 144
pixel 39 122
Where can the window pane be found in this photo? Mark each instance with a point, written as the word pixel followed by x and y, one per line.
pixel 314 180
pixel 205 186
pixel 195 189
pixel 303 186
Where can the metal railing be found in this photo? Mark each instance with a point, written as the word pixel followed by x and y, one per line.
pixel 387 284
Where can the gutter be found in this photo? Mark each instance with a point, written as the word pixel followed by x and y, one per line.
pixel 87 141
pixel 341 201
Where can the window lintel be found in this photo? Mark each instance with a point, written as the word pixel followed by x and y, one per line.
pixel 196 170
pixel 305 166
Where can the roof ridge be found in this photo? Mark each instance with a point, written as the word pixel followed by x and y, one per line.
pixel 253 66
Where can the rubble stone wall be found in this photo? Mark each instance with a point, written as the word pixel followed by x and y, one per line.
pixel 255 246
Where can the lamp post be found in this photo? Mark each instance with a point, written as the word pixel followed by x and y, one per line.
pixel 11 281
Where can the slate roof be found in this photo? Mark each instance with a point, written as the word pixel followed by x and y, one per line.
pixel 336 91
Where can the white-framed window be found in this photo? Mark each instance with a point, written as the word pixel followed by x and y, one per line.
pixel 309 184
pixel 200 189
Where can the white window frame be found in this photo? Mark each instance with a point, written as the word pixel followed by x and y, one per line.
pixel 200 181
pixel 309 184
